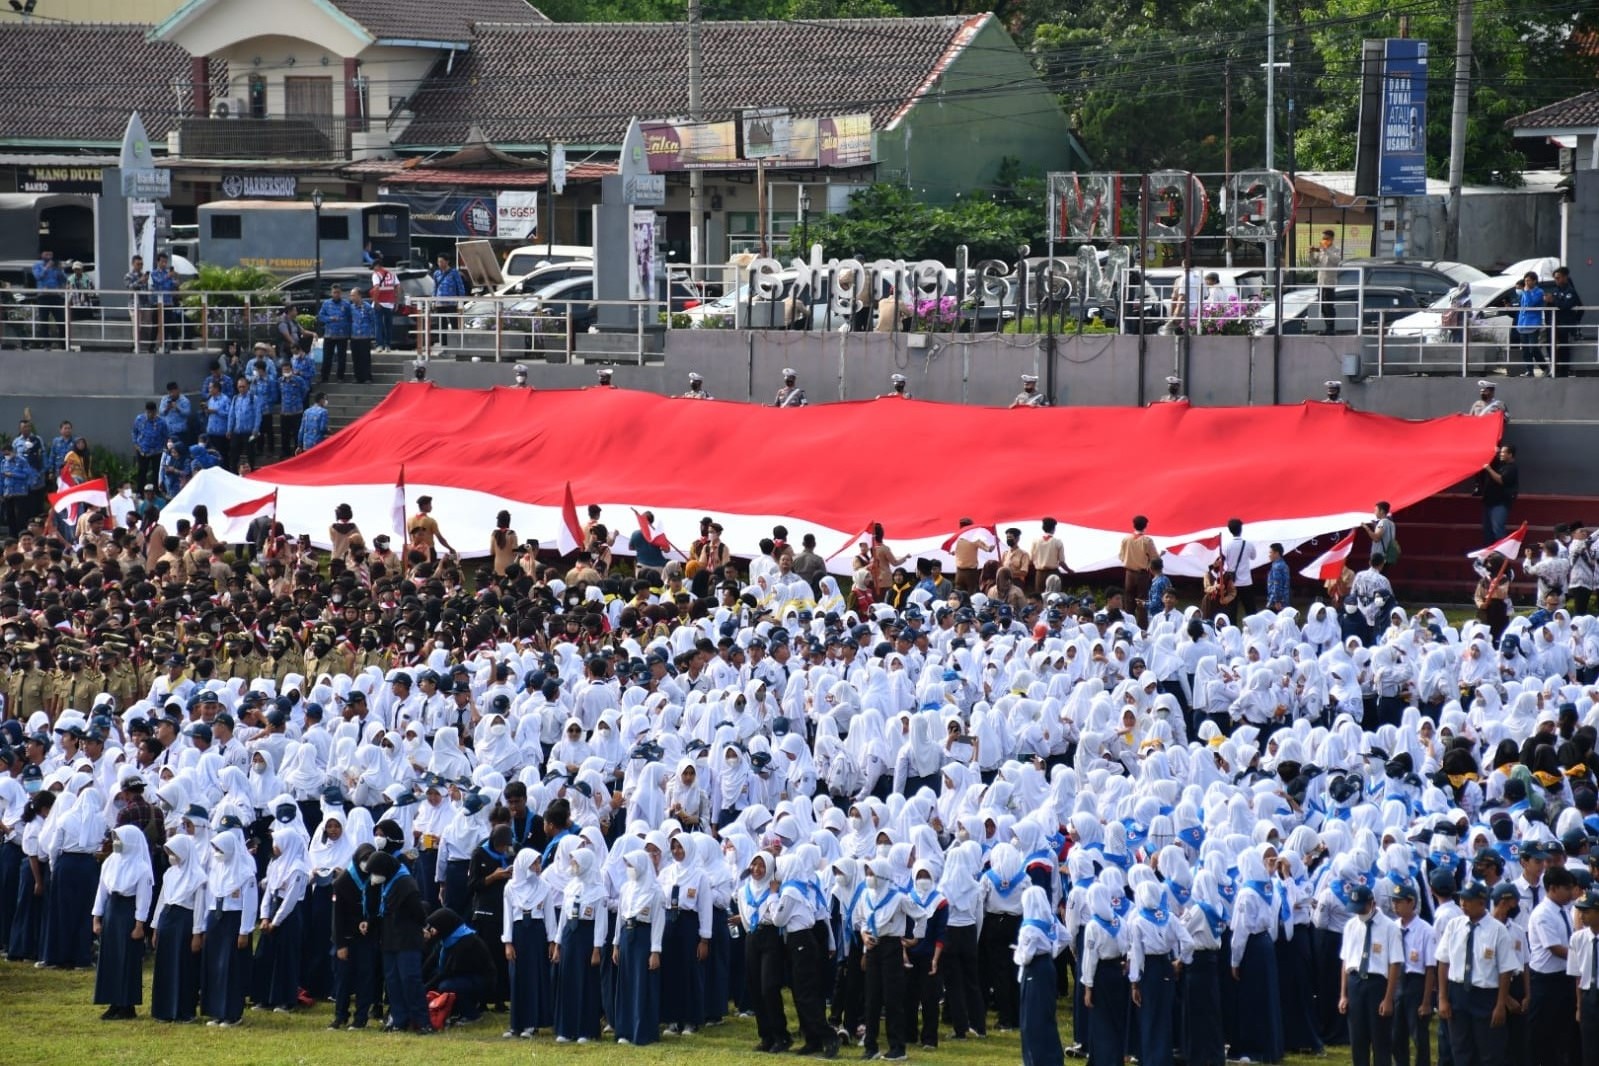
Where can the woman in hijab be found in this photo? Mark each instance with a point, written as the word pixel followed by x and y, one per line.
pixel 686 945
pixel 1002 885
pixel 74 838
pixel 1037 944
pixel 925 987
pixel 357 965
pixel 1204 1041
pixel 1156 939
pixel 580 937
pixel 121 905
pixel 230 891
pixel 331 848
pixel 1256 912
pixel 1105 990
pixel 466 829
pixel 963 992
pixel 686 800
pixel 283 911
pixel 528 921
pixel 179 929
pixel 917 765
pixel 636 951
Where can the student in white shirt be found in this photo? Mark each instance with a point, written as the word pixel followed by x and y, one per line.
pixel 1582 963
pixel 1371 962
pixel 1476 960
pixel 1551 992
pixel 1417 986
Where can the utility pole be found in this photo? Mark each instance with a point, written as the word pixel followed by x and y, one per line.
pixel 1227 146
pixel 696 112
pixel 1271 83
pixel 1457 126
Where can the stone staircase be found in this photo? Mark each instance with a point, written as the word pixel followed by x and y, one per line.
pixel 348 401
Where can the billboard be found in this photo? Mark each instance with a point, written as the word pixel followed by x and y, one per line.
pixel 1402 146
pixel 770 135
pixel 442 214
pixel 691 145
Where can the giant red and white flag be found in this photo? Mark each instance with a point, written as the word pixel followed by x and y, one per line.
pixel 88 494
pixel 655 536
pixel 1199 551
pixel 569 538
pixel 1330 564
pixel 398 516
pixel 1509 547
pixel 864 535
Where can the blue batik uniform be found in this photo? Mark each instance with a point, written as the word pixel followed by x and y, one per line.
pixel 221 378
pixel 267 391
pixel 149 435
pixel 16 476
pixel 292 392
pixel 30 449
pixel 59 447
pixel 334 316
pixel 201 458
pixel 448 283
pixel 244 416
pixel 217 412
pixel 175 415
pixel 173 471
pixel 363 320
pixel 314 427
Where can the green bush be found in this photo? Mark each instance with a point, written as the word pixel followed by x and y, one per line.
pixel 113 466
pixel 230 286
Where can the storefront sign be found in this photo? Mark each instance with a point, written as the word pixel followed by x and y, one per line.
pixel 516 215
pixel 260 186
pixel 58 179
pixel 442 214
pixel 691 145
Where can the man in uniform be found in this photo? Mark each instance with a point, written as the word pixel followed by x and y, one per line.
pixel 696 388
pixel 1335 393
pixel 121 680
pixel 1047 555
pixel 429 527
pixel 1029 396
pixel 790 395
pixel 1486 403
pixel 334 318
pixel 897 388
pixel 1138 552
pixel 363 333
pixel 1174 391
pixel 602 378
pixel 521 377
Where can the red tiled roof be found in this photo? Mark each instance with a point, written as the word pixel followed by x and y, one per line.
pixel 77 82
pixel 1577 112
pixel 392 173
pixel 581 82
pixel 434 20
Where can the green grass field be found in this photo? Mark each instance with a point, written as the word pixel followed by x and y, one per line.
pixel 47 1017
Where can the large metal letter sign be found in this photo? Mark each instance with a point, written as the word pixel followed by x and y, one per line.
pixel 1085 207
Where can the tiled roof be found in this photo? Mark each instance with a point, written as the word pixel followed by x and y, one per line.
pixel 1577 112
pixel 77 82
pixel 581 82
pixel 391 173
pixel 433 20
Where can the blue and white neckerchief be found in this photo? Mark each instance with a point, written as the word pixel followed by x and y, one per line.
pixel 871 918
pixel 1043 926
pixel 1194 836
pixel 1157 917
pixel 849 915
pixel 1180 892
pixel 1121 905
pixel 1113 926
pixel 1213 919
pixel 929 901
pixel 1005 886
pixel 755 905
pixel 1340 891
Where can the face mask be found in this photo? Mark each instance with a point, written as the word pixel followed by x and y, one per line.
pixel 257 768
pixel 31 787
pixel 962 835
pixel 924 885
pixel 882 851
pixel 634 873
pixel 378 879
pixel 840 880
pixel 856 821
pixel 874 881
pixel 732 762
pixel 338 599
pixel 410 646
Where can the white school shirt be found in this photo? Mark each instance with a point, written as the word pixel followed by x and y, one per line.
pixel 1580 960
pixel 1386 949
pixel 1494 949
pixel 1548 926
pixel 1144 938
pixel 1420 945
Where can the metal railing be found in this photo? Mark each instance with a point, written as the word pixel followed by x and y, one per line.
pixel 139 322
pixel 520 328
pixel 285 137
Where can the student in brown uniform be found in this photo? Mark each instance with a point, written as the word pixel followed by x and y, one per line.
pixel 1137 553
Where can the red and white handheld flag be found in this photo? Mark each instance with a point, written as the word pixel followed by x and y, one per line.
pixel 237 519
pixel 399 507
pixel 985 537
pixel 1509 547
pixel 569 538
pixel 655 536
pixel 1330 564
pixel 88 494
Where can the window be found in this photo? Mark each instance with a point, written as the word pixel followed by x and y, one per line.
pixel 383 224
pixel 227 227
pixel 334 228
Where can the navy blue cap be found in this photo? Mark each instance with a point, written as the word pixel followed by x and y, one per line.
pixel 1474 890
pixel 198 730
pixel 196 811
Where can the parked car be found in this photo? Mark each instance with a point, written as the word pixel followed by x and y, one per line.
pixel 1302 310
pixel 522 261
pixel 1492 306
pixel 1427 278
pixel 307 294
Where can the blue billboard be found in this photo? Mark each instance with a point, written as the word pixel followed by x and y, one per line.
pixel 1402 153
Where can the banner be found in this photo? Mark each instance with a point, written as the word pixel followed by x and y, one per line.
pixel 59 179
pixel 443 214
pixel 845 140
pixel 691 145
pixel 141 230
pixel 641 275
pixel 516 215
pixel 1402 148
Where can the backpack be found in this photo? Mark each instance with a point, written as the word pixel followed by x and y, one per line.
pixel 1390 553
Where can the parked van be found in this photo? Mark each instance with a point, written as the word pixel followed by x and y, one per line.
pixel 285 237
pixel 522 261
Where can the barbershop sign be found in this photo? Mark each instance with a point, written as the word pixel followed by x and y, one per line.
pixel 1168 206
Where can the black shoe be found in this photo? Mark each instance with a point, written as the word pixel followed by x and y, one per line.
pixel 336 1024
pixel 763 1048
pixel 870 1053
pixel 780 1046
pixel 830 1051
pixel 808 1049
pixel 895 1055
pixel 111 1014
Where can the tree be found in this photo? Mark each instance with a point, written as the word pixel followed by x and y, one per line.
pixel 1522 58
pixel 885 221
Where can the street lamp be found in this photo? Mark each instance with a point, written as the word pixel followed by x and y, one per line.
pixel 804 207
pixel 316 208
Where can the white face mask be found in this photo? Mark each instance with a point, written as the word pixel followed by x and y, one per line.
pixel 634 873
pixel 962 835
pixel 874 881
pixel 924 885
pixel 882 851
pixel 732 762
pixel 378 879
pixel 257 768
pixel 840 880
pixel 856 821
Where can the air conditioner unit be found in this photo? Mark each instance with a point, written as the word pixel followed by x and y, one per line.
pixel 234 108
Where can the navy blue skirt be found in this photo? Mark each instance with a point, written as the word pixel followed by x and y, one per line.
pixel 1107 1018
pixel 277 961
pixel 69 906
pixel 532 990
pixel 638 991
pixel 1262 1038
pixel 1156 1015
pixel 119 976
pixel 1204 1042
pixel 577 983
pixel 175 988
pixel 27 921
pixel 1040 1035
pixel 682 980
pixel 316 942
pixel 225 967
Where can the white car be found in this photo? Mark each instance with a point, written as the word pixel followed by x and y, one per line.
pixel 1492 316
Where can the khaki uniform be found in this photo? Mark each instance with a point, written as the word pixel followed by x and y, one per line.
pixel 123 684
pixel 1047 555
